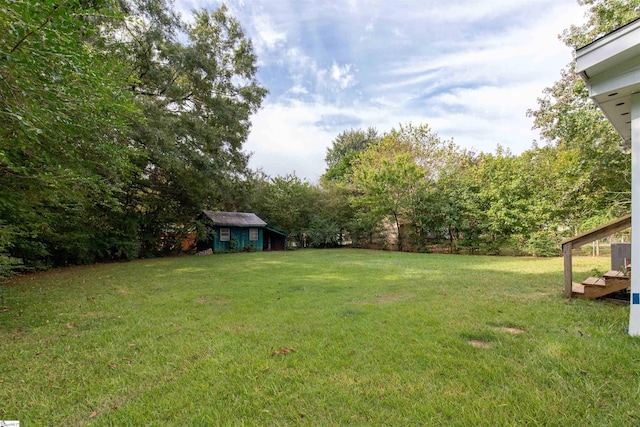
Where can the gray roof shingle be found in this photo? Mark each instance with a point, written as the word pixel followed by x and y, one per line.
pixel 235 219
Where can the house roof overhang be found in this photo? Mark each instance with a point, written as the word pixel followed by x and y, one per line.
pixel 610 67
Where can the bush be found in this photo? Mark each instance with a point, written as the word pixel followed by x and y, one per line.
pixel 543 244
pixel 9 265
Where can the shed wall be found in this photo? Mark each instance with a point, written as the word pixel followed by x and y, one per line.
pixel 274 241
pixel 240 238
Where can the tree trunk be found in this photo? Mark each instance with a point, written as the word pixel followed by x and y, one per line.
pixel 400 245
pixel 450 240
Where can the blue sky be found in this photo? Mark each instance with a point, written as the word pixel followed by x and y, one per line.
pixel 469 69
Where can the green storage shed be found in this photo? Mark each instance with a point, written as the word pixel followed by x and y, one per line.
pixel 236 231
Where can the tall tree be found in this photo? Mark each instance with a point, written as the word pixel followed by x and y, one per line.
pixel 344 151
pixel 448 209
pixel 387 176
pixel 289 204
pixel 197 99
pixel 118 123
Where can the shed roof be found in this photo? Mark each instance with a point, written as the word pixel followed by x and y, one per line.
pixel 235 219
pixel 282 233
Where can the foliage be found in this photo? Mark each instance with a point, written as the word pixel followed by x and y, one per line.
pixel 543 244
pixel 385 179
pixel 449 209
pixel 388 175
pixel 63 110
pixel 114 133
pixel 8 264
pixel 312 215
pixel 488 202
pixel 323 233
pixel 285 203
pixel 603 17
pixel 344 151
pixel 120 122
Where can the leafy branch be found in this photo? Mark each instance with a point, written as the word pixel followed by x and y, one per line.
pixel 40 27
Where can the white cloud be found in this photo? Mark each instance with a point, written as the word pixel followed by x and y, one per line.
pixel 299 90
pixel 487 116
pixel 398 33
pixel 290 135
pixel 353 5
pixel 268 37
pixel 284 139
pixel 343 75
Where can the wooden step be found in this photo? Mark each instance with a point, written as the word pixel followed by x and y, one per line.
pixel 594 281
pixel 612 283
pixel 615 274
pixel 593 287
pixel 577 289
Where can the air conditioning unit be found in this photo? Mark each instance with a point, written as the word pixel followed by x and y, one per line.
pixel 620 256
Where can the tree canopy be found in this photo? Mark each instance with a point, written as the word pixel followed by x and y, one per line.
pixel 114 131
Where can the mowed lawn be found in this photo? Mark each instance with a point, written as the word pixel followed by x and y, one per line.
pixel 315 337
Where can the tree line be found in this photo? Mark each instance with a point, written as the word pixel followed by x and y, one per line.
pixel 429 194
pixel 120 122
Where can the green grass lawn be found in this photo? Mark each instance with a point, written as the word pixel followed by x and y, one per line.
pixel 315 337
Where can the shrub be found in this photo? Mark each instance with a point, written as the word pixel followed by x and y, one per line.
pixel 543 244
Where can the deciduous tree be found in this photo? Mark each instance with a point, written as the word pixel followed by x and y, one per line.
pixel 387 176
pixel 344 151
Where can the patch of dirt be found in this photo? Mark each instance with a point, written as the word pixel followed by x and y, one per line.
pixel 479 344
pixel 202 300
pixel 511 330
pixel 390 298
